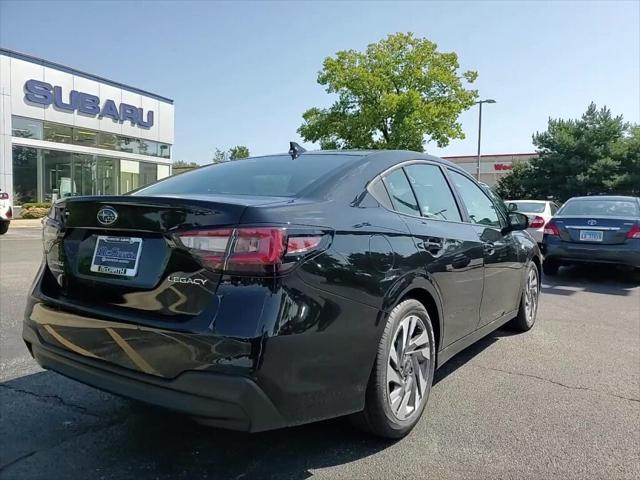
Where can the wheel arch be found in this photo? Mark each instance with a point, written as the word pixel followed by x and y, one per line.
pixel 420 289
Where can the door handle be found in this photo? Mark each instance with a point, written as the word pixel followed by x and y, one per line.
pixel 433 245
pixel 489 248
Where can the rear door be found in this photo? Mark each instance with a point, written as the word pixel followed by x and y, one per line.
pixel 502 260
pixel 449 248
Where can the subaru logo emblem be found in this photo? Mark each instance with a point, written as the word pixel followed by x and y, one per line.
pixel 107 215
pixel 592 222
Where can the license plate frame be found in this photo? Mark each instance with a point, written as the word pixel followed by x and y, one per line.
pixel 591 235
pixel 114 255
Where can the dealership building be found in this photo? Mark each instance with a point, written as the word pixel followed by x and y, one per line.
pixel 492 167
pixel 68 132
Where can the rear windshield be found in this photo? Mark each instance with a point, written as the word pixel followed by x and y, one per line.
pixel 276 175
pixel 601 208
pixel 527 207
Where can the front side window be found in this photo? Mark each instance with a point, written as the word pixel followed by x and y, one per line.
pixel 481 209
pixel 434 195
pixel 401 194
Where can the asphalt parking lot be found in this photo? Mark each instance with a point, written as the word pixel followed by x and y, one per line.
pixel 562 401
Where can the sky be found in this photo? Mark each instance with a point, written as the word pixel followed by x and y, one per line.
pixel 242 73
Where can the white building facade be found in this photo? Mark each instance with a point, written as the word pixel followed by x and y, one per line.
pixel 71 133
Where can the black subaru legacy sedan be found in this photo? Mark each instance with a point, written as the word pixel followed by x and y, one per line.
pixel 279 290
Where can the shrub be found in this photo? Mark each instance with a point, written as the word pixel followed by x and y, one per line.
pixel 34 212
pixel 27 206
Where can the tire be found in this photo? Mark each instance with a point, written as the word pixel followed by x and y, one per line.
pixel 388 411
pixel 550 268
pixel 4 226
pixel 528 309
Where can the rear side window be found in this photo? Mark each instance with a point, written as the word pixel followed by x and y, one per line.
pixel 527 207
pixel 401 194
pixel 601 208
pixel 277 175
pixel 481 209
pixel 434 195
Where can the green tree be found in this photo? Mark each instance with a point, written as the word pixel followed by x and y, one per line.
pixel 598 153
pixel 397 93
pixel 220 156
pixel 234 153
pixel 239 151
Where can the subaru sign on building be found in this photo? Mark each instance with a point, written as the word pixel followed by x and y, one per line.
pixel 67 132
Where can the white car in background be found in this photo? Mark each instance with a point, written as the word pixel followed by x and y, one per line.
pixel 538 211
pixel 6 212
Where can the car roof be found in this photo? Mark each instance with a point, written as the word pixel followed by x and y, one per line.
pixel 529 201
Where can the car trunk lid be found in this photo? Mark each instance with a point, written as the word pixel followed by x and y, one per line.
pixel 597 230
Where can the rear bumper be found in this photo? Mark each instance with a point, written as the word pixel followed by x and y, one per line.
pixel 627 254
pixel 225 401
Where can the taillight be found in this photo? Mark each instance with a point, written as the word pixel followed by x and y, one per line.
pixel 537 222
pixel 634 232
pixel 256 250
pixel 551 229
pixel 9 214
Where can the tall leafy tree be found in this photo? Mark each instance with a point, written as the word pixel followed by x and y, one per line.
pixel 598 153
pixel 234 153
pixel 239 151
pixel 398 93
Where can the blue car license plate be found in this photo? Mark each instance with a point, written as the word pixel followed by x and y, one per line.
pixel 117 255
pixel 590 236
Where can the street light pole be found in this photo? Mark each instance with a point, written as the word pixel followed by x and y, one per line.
pixel 479 103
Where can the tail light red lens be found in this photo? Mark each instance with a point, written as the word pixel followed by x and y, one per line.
pixel 634 232
pixel 537 222
pixel 551 229
pixel 249 250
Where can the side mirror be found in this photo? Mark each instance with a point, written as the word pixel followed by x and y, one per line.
pixel 517 221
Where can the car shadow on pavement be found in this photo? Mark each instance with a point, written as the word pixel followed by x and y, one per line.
pixel 52 427
pixel 603 279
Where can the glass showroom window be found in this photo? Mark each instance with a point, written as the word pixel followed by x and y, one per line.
pixel 148 173
pixel 126 144
pixel 106 176
pixel 148 147
pixel 54 132
pixel 25 175
pixel 83 168
pixel 129 175
pixel 164 150
pixel 107 140
pixel 57 174
pixel 26 128
pixel 87 138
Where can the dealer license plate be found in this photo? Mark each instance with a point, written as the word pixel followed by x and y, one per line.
pixel 117 255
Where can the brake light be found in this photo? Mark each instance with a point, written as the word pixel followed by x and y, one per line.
pixel 249 250
pixel 537 222
pixel 634 232
pixel 551 229
pixel 9 214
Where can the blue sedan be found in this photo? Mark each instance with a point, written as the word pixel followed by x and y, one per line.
pixel 599 229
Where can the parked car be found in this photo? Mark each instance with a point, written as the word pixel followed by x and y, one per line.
pixel 279 290
pixel 539 213
pixel 598 229
pixel 6 212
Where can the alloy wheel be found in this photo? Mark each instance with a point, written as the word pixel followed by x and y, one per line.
pixel 531 294
pixel 408 367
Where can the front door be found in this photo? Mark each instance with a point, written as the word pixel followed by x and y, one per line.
pixel 502 263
